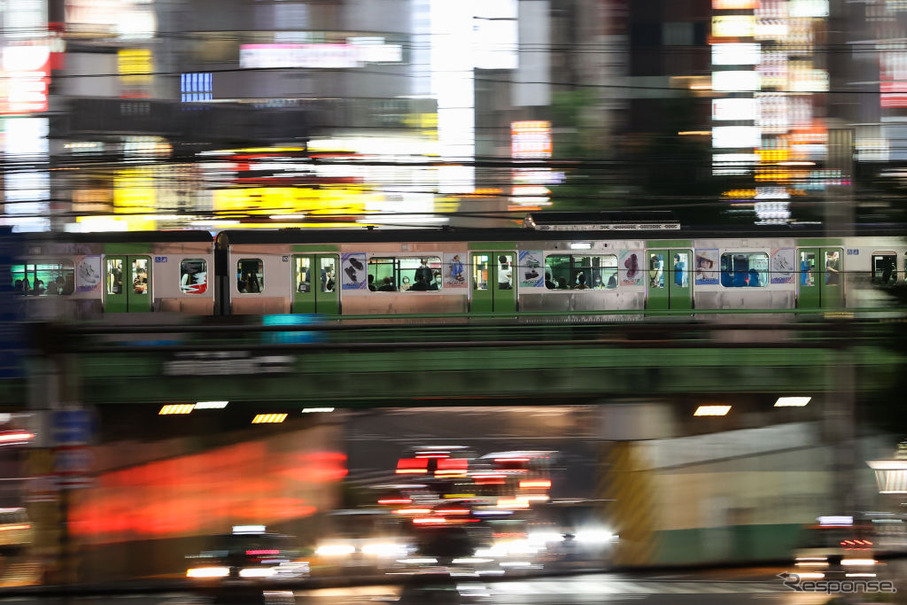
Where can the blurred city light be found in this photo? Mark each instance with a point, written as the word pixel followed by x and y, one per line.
pixel 15 437
pixel 269 418
pixel 712 410
pixel 176 408
pixel 792 402
pixel 211 405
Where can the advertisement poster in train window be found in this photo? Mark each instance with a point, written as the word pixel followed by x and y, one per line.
pixel 88 273
pixel 455 269
pixel 707 267
pixel 352 269
pixel 530 269
pixel 631 267
pixel 782 266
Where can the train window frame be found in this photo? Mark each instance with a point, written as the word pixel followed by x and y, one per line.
pixel 807 261
pixel 401 275
pixel 195 288
pixel 875 277
pixel 114 267
pixel 741 279
pixel 241 274
pixel 604 271
pixel 32 268
pixel 657 270
pixel 140 269
pixel 302 273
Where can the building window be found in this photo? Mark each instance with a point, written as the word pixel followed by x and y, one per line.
pixel 195 87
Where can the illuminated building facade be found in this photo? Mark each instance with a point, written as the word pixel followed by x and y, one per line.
pixel 219 113
pixel 770 83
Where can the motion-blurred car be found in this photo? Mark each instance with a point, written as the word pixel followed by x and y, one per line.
pixel 836 547
pixel 249 553
pixel 367 540
pixel 16 532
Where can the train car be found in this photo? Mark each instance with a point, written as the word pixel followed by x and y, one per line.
pixel 514 271
pixel 554 267
pixel 87 275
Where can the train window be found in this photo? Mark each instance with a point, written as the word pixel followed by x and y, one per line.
pixel 575 272
pixel 114 275
pixel 413 274
pixel 744 269
pixel 505 271
pixel 140 275
pixel 303 274
pixel 328 274
pixel 681 274
pixel 193 276
pixel 656 270
pixel 832 268
pixel 250 276
pixel 480 269
pixel 884 268
pixel 807 268
pixel 43 278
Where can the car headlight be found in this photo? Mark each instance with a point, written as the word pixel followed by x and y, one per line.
pixel 208 572
pixel 595 536
pixel 384 549
pixel 335 550
pixel 257 572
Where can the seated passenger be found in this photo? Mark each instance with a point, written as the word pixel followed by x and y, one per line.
pixel 387 285
pixel 612 281
pixel 580 282
pixel 436 281
pixel 562 283
pixel 371 283
pixel 405 284
pixel 548 282
pixel 598 283
pixel 420 286
pixel 39 286
pixel 753 278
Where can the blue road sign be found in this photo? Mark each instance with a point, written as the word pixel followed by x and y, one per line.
pixel 72 427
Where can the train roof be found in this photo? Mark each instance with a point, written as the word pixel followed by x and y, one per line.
pixel 455 234
pixel 184 235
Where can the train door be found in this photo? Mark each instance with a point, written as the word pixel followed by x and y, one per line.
pixel 127 284
pixel 316 284
pixel 493 283
pixel 820 278
pixel 669 279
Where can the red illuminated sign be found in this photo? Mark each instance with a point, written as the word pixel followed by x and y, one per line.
pixel 26 70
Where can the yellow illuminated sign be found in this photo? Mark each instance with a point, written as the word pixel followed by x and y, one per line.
pixel 135 65
pixel 767 156
pixel 339 201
